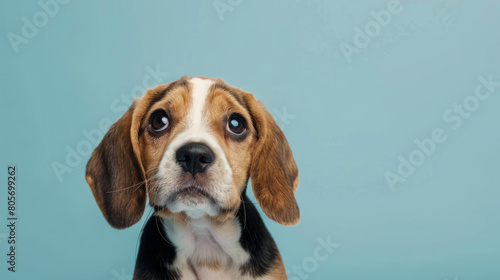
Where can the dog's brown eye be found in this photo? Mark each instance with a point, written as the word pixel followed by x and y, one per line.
pixel 236 124
pixel 158 122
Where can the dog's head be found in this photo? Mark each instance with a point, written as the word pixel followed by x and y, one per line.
pixel 191 145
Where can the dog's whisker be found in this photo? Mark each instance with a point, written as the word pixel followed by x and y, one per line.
pixel 124 189
pixel 138 185
pixel 244 212
pixel 152 179
pixel 159 231
pixel 149 191
pixel 142 230
pixel 165 227
pixel 151 169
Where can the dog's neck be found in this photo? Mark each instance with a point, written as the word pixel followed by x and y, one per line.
pixel 207 245
pixel 237 247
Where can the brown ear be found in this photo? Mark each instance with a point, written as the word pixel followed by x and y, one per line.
pixel 116 176
pixel 273 172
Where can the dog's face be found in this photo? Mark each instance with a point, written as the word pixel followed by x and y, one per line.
pixel 192 145
pixel 197 142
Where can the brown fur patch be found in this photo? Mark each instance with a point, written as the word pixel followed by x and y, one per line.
pixel 116 176
pixel 265 154
pixel 176 103
pixel 278 272
pixel 273 169
pixel 116 171
pixel 238 153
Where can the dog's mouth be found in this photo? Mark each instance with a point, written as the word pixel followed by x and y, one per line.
pixel 194 192
pixel 191 196
pixel 193 200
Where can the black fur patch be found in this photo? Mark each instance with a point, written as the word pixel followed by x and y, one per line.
pixel 255 240
pixel 156 253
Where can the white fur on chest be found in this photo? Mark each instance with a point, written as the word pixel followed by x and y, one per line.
pixel 202 246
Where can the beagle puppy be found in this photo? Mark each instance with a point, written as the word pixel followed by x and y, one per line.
pixel 191 146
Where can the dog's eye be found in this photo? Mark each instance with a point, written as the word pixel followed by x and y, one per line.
pixel 158 122
pixel 236 124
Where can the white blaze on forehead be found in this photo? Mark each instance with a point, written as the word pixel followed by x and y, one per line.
pixel 199 92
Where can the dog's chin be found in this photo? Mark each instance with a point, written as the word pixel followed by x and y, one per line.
pixel 193 201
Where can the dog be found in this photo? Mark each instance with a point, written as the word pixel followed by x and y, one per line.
pixel 190 146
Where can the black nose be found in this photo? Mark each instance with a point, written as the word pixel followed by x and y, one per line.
pixel 194 157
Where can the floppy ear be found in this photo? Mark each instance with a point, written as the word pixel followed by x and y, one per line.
pixel 116 176
pixel 273 172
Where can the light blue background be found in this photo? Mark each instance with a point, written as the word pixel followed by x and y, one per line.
pixel 350 123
